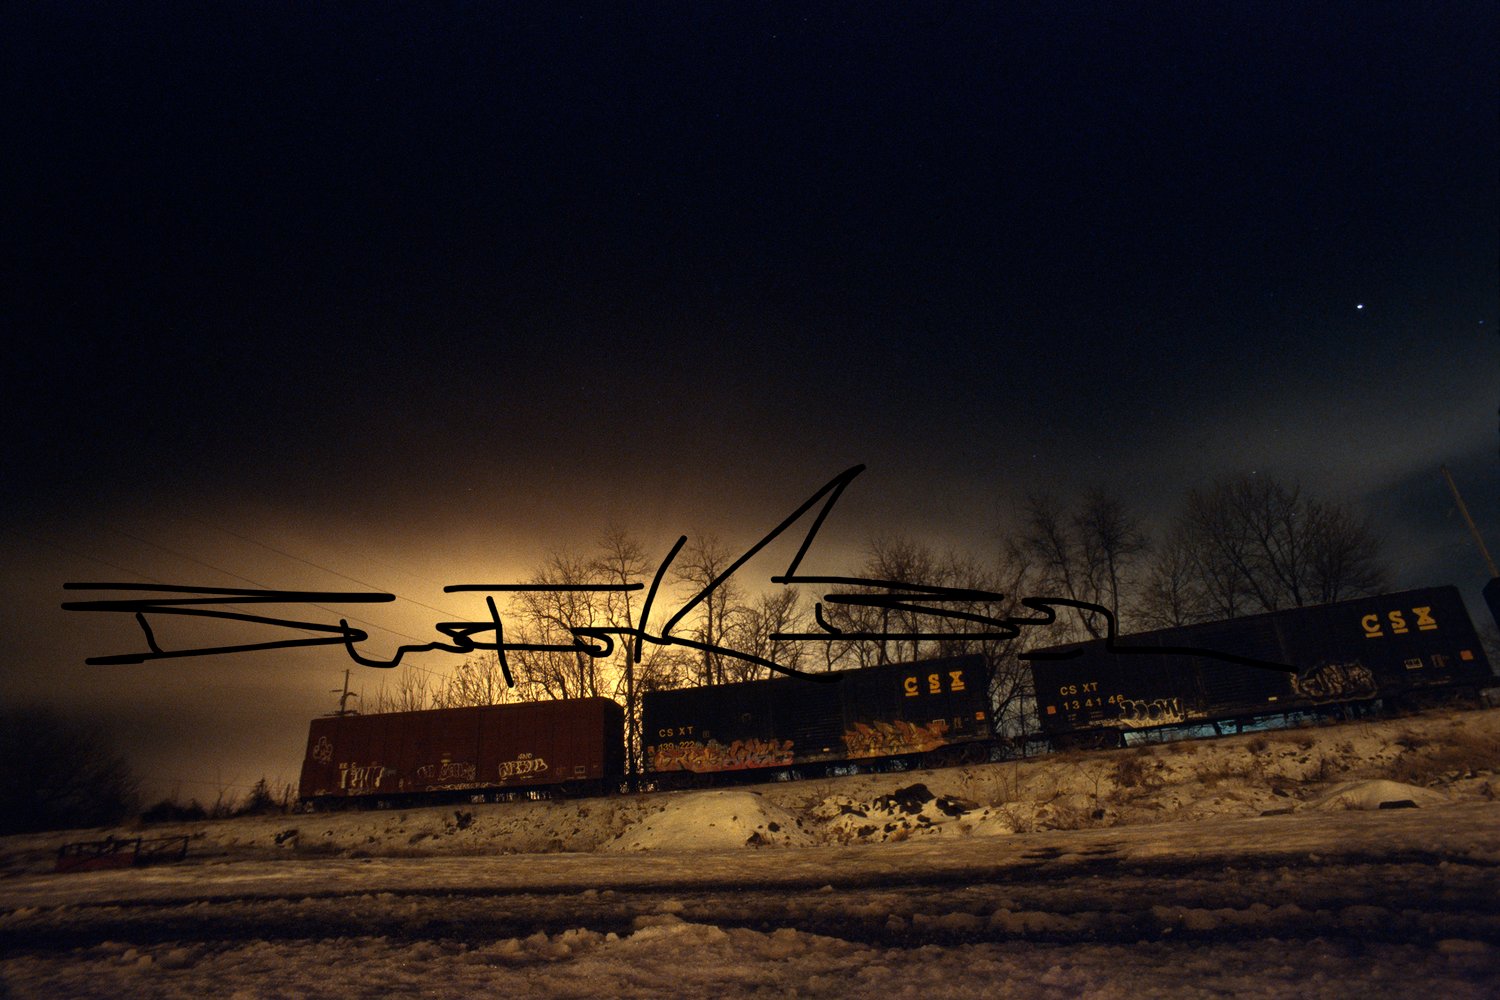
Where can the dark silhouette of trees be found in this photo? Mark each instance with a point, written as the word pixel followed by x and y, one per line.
pixel 57 774
pixel 260 801
pixel 548 617
pixel 1254 544
pixel 697 566
pixel 409 689
pixel 779 611
pixel 570 597
pixel 1092 554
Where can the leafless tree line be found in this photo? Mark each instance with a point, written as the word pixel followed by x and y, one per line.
pixel 1239 547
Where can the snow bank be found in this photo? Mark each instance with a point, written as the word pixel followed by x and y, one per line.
pixel 708 821
pixel 912 810
pixel 1379 794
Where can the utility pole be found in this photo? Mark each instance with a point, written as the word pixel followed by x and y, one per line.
pixel 1491 589
pixel 344 697
pixel 1478 539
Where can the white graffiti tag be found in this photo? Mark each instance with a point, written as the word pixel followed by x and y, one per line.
pixel 322 751
pixel 523 766
pixel 1156 712
pixel 356 778
pixel 448 770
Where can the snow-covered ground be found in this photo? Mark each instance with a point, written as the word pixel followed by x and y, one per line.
pixel 1361 859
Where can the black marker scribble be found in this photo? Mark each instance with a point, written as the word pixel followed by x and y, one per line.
pixel 470 636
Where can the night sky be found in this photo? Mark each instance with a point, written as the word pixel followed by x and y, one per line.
pixel 388 297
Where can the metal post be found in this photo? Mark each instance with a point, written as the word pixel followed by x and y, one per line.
pixel 1470 522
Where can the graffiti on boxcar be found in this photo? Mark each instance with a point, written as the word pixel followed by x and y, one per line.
pixel 715 756
pixel 322 751
pixel 360 778
pixel 1335 680
pixel 523 766
pixel 881 739
pixel 448 770
pixel 1153 712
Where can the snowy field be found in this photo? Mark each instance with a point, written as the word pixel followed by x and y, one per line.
pixel 1356 860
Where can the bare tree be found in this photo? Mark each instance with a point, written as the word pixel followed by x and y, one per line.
pixel 1254 544
pixel 478 680
pixel 776 612
pixel 895 564
pixel 716 618
pixel 549 616
pixel 1344 554
pixel 1001 584
pixel 966 616
pixel 1091 555
pixel 902 561
pixel 621 562
pixel 410 690
pixel 1171 594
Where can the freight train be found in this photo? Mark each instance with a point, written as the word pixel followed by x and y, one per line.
pixel 1394 651
pixel 1399 650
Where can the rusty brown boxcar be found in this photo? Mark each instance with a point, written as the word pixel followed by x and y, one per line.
pixel 573 746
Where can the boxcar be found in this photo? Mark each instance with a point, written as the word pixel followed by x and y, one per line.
pixel 1404 649
pixel 455 754
pixel 935 708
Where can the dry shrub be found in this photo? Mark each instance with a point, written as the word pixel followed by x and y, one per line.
pixel 1232 767
pixel 1131 772
pixel 1009 784
pixel 1064 817
pixel 1328 768
pixel 1459 755
pixel 1021 820
pixel 1409 740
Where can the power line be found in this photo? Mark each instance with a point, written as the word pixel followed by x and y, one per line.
pixel 219 569
pixel 309 562
pixel 327 569
pixel 81 555
pixel 257 583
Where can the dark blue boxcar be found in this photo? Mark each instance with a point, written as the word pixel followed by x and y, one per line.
pixel 1392 647
pixel 886 711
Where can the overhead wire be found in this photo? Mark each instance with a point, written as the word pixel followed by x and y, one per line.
pixel 326 569
pixel 68 550
pixel 309 562
pixel 342 576
pixel 257 583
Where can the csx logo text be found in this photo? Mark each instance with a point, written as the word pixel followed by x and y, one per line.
pixel 1375 628
pixel 935 684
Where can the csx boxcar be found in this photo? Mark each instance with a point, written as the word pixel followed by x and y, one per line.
pixel 935 708
pixel 1402 648
pixel 458 753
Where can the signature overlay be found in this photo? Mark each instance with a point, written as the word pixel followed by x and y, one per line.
pixel 943 606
